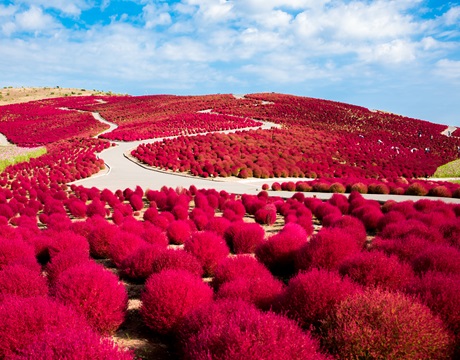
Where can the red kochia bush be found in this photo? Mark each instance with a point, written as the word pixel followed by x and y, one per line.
pixel 440 258
pixel 235 267
pixel 278 252
pixel 259 291
pixel 266 215
pixel 71 344
pixel 244 237
pixel 353 226
pixel 23 319
pixel 101 237
pixel 209 248
pixel 312 296
pixel 251 334
pixel 67 240
pixel 218 224
pixel 20 281
pixel 123 245
pixel 95 293
pixel 377 269
pixel 171 259
pixel 178 232
pixel 169 295
pixel 327 249
pixel 383 325
pixel 15 251
pixel 441 293
pixel 65 260
pixel 139 264
pixel 136 202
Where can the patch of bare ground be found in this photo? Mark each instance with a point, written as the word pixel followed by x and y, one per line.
pixel 11 95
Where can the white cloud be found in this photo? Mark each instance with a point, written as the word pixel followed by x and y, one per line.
pixel 393 52
pixel 452 16
pixel 449 69
pixel 69 7
pixel 156 16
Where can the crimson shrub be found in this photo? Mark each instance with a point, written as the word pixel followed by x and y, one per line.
pixel 95 293
pixel 169 295
pixel 18 280
pixel 244 237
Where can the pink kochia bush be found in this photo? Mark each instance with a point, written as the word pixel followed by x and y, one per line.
pixel 312 296
pixel 232 268
pixel 23 319
pixel 243 238
pixel 178 232
pixel 247 333
pixel 327 249
pixel 63 261
pixel 94 292
pixel 71 344
pixel 209 248
pixel 139 264
pixel 169 295
pixel 374 268
pixel 384 325
pixel 20 281
pixel 440 258
pixel 278 252
pixel 171 259
pixel 260 291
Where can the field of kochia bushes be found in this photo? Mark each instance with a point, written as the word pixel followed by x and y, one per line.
pixel 226 276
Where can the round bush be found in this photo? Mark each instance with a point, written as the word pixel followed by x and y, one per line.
pixel 171 259
pixel 235 267
pixel 405 249
pixel 101 237
pixel 259 291
pixel 312 296
pixel 123 245
pixel 16 252
pixel 278 252
pixel 95 293
pixel 218 224
pixel 22 319
pixel 178 232
pixel 252 335
pixel 64 260
pixel 209 248
pixel 139 264
pixel 417 189
pixel 414 228
pixel 441 293
pixel 353 226
pixel 243 237
pixel 374 268
pixel 68 240
pixel 19 280
pixel 440 258
pixel 71 344
pixel 266 215
pixel 169 295
pixel 327 249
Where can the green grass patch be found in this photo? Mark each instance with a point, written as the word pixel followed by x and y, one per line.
pixel 10 155
pixel 451 169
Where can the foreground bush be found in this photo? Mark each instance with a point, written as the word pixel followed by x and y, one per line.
pixel 372 269
pixel 22 319
pixel 383 325
pixel 311 297
pixel 209 248
pixel 71 344
pixel 169 295
pixel 243 237
pixel 20 281
pixel 251 334
pixel 95 293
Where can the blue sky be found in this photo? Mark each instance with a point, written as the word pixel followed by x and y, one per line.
pixel 401 56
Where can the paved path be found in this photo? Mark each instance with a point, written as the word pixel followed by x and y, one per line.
pixel 124 172
pixel 449 130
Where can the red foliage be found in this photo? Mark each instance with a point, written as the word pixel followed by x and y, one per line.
pixel 77 208
pixel 266 215
pixel 250 334
pixel 327 249
pixel 95 293
pixel 311 297
pixel 441 293
pixel 240 266
pixel 23 319
pixel 372 269
pixel 139 264
pixel 123 245
pixel 440 258
pixel 388 326
pixel 16 251
pixel 168 296
pixel 71 344
pixel 209 248
pixel 65 260
pixel 218 224
pixel 405 229
pixel 243 238
pixel 18 280
pixel 101 237
pixel 178 232
pixel 171 259
pixel 278 252
pixel 136 202
pixel 67 240
pixel 353 226
pixel 260 291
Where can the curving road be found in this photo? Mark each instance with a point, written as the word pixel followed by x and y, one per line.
pixel 124 172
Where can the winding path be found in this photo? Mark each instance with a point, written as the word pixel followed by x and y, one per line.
pixel 125 172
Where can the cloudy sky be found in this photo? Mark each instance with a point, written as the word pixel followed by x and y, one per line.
pixel 401 56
